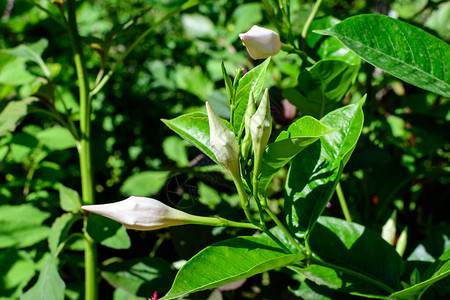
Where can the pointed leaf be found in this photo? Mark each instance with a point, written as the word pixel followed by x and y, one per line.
pixel 12 114
pixel 69 199
pixel 314 174
pixel 253 81
pixel 49 286
pixel 193 127
pixel 322 87
pixel 288 144
pixel 440 270
pixel 398 48
pixel 229 261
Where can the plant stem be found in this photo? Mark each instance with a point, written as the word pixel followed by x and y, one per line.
pixel 282 227
pixel 355 274
pixel 343 203
pixel 244 201
pixel 311 17
pixel 84 151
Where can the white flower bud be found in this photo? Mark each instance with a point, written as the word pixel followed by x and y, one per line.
pixel 249 112
pixel 261 42
pixel 223 143
pixel 142 213
pixel 261 126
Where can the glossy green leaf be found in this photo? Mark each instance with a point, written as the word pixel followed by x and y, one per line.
pixel 288 144
pixel 193 127
pixel 141 276
pixel 322 87
pixel 17 270
pixel 252 81
pixel 357 248
pixel 56 138
pixel 69 199
pixel 20 226
pixel 59 230
pixel 438 271
pixel 229 261
pixel 49 286
pixel 314 174
pixel 107 232
pixel 398 48
pixel 144 184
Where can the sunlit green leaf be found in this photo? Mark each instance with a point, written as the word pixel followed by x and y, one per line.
pixel 144 184
pixel 107 232
pixel 398 48
pixel 229 261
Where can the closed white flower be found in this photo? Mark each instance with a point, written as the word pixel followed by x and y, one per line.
pixel 261 126
pixel 261 42
pixel 223 143
pixel 142 213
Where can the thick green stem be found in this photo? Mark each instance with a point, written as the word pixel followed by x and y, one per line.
pixel 282 227
pixel 343 203
pixel 244 201
pixel 84 151
pixel 309 21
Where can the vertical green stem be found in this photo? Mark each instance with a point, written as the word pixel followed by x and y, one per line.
pixel 343 203
pixel 84 151
pixel 310 19
pixel 244 201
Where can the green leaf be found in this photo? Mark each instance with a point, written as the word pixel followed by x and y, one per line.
pixel 439 270
pixel 12 114
pixel 194 81
pixel 107 232
pixel 59 230
pixel 56 138
pixel 141 276
pixel 229 261
pixel 288 144
pixel 17 270
pixel 314 174
pixel 31 52
pixel 357 248
pixel 144 184
pixel 49 286
pixel 13 71
pixel 208 196
pixel 69 199
pixel 20 226
pixel 322 87
pixel 329 47
pixel 252 81
pixel 228 83
pixel 175 149
pixel 398 48
pixel 193 127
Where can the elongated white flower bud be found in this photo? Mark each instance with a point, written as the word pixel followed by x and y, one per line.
pixel 261 126
pixel 261 42
pixel 250 111
pixel 223 143
pixel 142 213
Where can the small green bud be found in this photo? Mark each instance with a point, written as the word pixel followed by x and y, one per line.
pixel 261 127
pixel 247 142
pixel 223 143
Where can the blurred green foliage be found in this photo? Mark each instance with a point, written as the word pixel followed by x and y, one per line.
pixel 401 162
